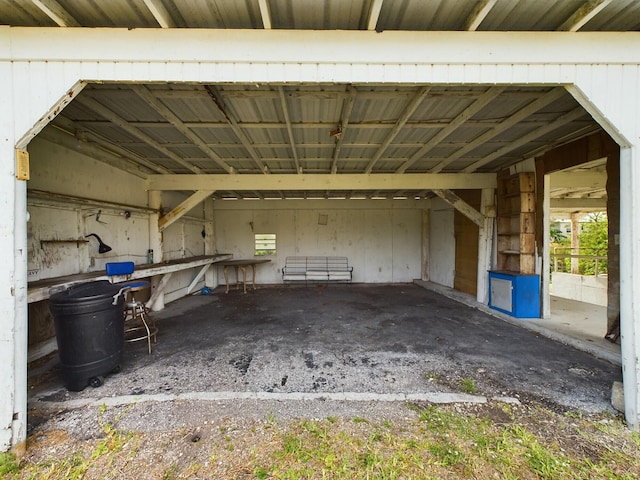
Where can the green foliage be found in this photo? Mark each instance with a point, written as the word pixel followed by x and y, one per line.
pixel 468 385
pixel 594 238
pixel 8 464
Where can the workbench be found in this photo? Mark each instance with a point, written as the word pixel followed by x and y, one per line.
pixel 42 289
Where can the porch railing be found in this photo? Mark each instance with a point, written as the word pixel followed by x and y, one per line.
pixel 560 254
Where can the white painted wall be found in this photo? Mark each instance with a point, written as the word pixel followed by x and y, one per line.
pixel 583 288
pixel 60 170
pixel 442 244
pixel 381 238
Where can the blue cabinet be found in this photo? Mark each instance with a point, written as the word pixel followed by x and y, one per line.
pixel 515 293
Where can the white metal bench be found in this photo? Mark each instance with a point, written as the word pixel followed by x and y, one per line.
pixel 317 269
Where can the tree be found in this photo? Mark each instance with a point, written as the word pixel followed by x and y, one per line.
pixel 594 240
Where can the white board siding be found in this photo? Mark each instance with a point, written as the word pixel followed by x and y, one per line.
pixel 381 242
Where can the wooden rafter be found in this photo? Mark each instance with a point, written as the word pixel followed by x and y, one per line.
pixel 219 103
pixel 347 108
pixel 415 102
pixel 175 121
pixel 457 122
pixel 287 119
pixel 501 127
pixel 463 207
pixel 97 107
pixel 56 12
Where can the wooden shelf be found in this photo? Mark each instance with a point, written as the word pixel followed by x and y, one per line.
pixel 516 223
pixel 77 241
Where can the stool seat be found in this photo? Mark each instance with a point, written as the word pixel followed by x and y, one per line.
pixel 136 285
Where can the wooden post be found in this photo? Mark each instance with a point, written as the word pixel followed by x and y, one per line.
pixel 575 242
pixel 485 244
pixel 546 242
pixel 426 226
pixel 211 277
pixel 155 242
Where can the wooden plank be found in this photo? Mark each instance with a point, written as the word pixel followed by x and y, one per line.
pixel 460 205
pixel 159 290
pixel 344 181
pixel 197 278
pixel 175 214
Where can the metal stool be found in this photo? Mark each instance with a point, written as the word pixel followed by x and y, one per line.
pixel 138 324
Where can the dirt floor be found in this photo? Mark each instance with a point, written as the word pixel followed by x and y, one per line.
pixel 281 354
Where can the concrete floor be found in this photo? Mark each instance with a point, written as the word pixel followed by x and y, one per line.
pixel 343 342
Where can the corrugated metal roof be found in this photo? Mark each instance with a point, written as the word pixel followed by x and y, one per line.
pixel 248 126
pixel 322 128
pixel 435 15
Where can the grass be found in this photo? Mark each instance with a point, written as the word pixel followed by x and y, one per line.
pixel 446 442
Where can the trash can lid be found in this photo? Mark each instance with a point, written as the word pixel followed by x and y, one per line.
pixel 83 291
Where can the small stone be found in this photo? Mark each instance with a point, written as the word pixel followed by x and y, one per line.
pixel 617 396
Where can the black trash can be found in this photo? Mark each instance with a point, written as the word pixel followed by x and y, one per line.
pixel 89 331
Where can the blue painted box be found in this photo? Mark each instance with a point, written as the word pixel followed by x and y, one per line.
pixel 515 294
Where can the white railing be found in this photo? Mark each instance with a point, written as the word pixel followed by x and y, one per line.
pixel 596 256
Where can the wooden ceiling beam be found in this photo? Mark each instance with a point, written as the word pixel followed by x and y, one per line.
pixel 146 95
pixel 321 182
pixel 411 107
pixel 100 109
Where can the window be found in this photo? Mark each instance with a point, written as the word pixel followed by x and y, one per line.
pixel 265 244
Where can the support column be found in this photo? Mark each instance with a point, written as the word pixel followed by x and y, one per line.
pixel 426 228
pixel 575 242
pixel 155 242
pixel 211 277
pixel 546 242
pixel 630 283
pixel 21 340
pixel 485 244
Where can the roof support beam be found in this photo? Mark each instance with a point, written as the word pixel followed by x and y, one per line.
pixel 564 119
pixel 55 12
pixel 374 14
pixel 466 114
pixel 265 14
pixel 585 13
pixel 277 182
pixel 287 119
pixel 479 13
pixel 573 180
pixel 463 207
pixel 174 215
pixel 347 108
pixel 163 110
pixel 233 123
pixel 97 107
pixel 79 131
pixel 160 13
pixel 577 204
pixel 502 126
pixel 404 118
pixel 67 140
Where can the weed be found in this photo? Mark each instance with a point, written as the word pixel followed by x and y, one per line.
pixel 468 385
pixel 446 453
pixel 359 420
pixel 8 464
pixel 433 376
pixel 261 473
pixel 170 473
